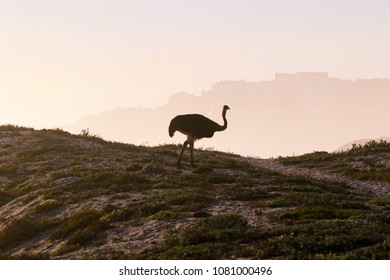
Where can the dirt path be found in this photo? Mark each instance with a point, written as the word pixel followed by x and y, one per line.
pixel 379 189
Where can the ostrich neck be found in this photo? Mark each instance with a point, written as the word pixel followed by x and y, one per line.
pixel 224 126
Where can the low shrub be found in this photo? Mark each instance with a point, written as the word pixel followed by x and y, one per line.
pixel 18 231
pixel 78 221
pixel 319 213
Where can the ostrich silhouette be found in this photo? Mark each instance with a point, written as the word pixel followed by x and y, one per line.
pixel 196 127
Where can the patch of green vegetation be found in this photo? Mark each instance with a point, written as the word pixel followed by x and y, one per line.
pixel 94 183
pixel 169 150
pixel 47 206
pixel 45 146
pixel 85 235
pixel 309 160
pixel 279 202
pixel 328 239
pixel 154 168
pixel 384 202
pixel 319 213
pixel 186 197
pixel 5 197
pixel 77 221
pixel 205 251
pixel 203 169
pixel 165 185
pixel 233 164
pixel 189 201
pixel 293 197
pixel 309 184
pixel 304 188
pixel 361 162
pixel 188 179
pixel 105 178
pixel 164 215
pixel 170 206
pixel 212 237
pixel 149 208
pixel 248 193
pixel 52 132
pixel 351 204
pixel 134 167
pixel 11 127
pixel 8 170
pixel 18 231
pixel 118 215
pixel 136 211
pixel 371 147
pixel 320 194
pixel 31 256
pixel 219 179
pixel 379 251
pixel 370 174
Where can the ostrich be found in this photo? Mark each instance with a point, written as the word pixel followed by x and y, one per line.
pixel 196 127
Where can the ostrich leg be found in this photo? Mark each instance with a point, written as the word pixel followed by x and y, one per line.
pixel 192 153
pixel 182 151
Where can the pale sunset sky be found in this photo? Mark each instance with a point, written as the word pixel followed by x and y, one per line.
pixel 60 60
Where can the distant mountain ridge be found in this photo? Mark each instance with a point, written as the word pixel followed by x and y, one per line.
pixel 293 114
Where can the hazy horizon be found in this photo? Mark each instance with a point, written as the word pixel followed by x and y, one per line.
pixel 61 60
pixel 292 114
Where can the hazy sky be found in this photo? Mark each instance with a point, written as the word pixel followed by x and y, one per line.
pixel 60 60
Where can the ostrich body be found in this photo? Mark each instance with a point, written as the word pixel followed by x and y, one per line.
pixel 196 127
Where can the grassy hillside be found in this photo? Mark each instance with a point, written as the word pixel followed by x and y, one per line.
pixel 66 196
pixel 370 161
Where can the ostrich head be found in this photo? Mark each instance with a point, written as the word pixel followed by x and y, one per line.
pixel 226 107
